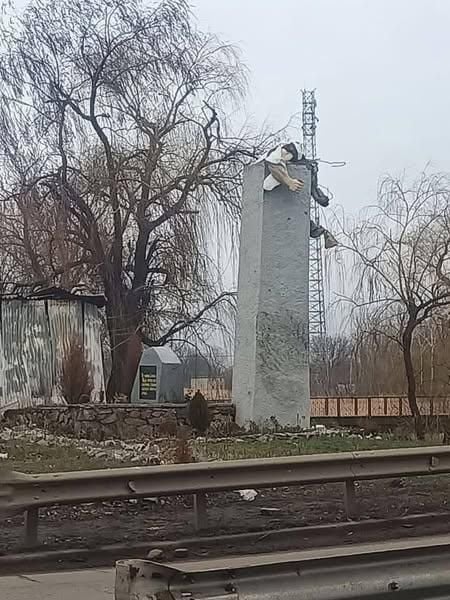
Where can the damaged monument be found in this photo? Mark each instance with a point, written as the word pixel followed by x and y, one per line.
pixel 271 366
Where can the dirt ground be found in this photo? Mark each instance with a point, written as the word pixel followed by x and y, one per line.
pixel 152 520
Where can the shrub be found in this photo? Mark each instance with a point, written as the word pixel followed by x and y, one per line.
pixel 199 412
pixel 76 378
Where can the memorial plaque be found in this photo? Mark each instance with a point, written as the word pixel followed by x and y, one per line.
pixel 147 382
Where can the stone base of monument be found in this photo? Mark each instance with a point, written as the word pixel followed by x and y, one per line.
pixel 271 366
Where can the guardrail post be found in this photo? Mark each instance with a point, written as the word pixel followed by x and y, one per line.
pixel 350 499
pixel 200 512
pixel 31 526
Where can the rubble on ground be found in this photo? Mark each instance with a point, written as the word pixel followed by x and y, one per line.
pixel 144 453
pixel 162 450
pixel 305 434
pixel 248 495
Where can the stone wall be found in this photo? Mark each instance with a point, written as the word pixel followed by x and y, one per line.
pixel 116 421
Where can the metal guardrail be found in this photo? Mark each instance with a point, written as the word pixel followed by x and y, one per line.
pixel 29 492
pixel 407 569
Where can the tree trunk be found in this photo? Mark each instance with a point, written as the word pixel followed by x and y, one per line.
pixel 411 383
pixel 126 347
pixel 126 350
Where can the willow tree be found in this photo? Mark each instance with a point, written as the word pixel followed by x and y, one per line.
pixel 118 164
pixel 398 249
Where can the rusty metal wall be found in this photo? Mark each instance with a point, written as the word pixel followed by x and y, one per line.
pixel 65 320
pixel 34 338
pixel 93 349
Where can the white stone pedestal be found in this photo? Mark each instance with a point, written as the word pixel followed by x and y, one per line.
pixel 271 370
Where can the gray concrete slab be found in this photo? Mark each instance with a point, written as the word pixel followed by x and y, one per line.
pixel 271 371
pixel 94 584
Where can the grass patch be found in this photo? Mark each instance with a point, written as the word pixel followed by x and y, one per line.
pixel 235 450
pixel 34 457
pixel 29 457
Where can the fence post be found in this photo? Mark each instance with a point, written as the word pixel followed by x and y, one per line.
pixel 31 526
pixel 350 499
pixel 200 512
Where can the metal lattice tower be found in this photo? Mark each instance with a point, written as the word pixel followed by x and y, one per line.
pixel 317 325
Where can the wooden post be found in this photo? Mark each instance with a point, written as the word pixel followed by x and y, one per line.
pixel 200 512
pixel 369 406
pixel 31 526
pixel 350 499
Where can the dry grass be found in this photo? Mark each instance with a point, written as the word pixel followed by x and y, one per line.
pixel 34 457
pixel 234 449
pixel 31 457
pixel 183 451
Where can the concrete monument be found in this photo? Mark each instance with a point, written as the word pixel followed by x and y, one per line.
pixel 271 367
pixel 159 377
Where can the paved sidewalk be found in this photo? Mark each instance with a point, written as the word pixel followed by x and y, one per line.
pixel 94 584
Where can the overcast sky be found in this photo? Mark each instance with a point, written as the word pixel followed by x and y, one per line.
pixel 381 73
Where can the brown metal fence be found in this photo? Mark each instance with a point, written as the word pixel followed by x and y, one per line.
pixel 376 406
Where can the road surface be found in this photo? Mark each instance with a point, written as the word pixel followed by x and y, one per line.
pixel 95 584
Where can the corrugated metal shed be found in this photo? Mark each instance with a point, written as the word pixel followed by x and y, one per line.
pixel 36 330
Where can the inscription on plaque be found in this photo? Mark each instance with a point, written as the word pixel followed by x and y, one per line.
pixel 147 382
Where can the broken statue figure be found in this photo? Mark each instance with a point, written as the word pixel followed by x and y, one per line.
pixel 276 162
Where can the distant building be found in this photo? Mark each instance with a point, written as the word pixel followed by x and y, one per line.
pixel 37 327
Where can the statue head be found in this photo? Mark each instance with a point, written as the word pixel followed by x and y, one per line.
pixel 289 152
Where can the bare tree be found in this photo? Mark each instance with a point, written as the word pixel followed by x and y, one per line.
pixel 397 250
pixel 118 165
pixel 330 364
pixel 377 360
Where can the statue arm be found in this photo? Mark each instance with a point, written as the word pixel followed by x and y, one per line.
pixel 280 173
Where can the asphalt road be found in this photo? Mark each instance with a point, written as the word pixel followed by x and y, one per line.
pixel 95 584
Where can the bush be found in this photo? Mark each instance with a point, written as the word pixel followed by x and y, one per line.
pixel 199 412
pixel 76 378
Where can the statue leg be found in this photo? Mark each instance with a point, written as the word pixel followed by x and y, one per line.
pixel 330 240
pixel 315 231
pixel 319 196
